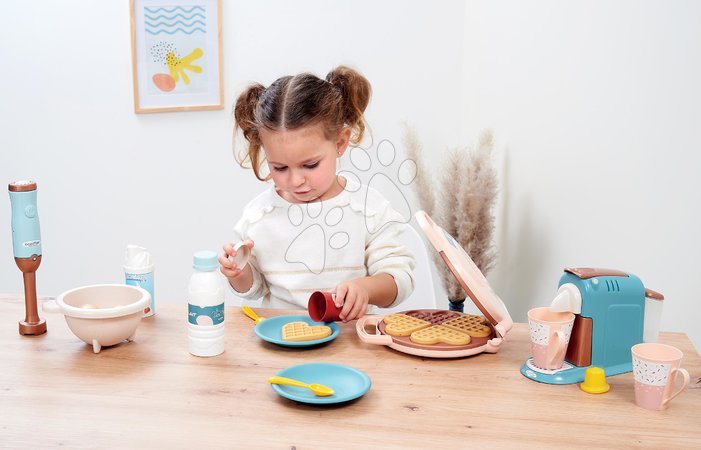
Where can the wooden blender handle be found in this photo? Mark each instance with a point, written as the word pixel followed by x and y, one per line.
pixel 32 323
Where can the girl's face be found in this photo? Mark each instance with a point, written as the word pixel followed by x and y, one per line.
pixel 302 162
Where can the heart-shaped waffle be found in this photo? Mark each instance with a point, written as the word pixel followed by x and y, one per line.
pixel 435 317
pixel 403 325
pixel 439 334
pixel 469 324
pixel 302 331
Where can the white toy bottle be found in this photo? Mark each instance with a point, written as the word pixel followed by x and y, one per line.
pixel 138 271
pixel 205 306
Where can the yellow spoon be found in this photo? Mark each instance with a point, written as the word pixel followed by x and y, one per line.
pixel 318 389
pixel 250 313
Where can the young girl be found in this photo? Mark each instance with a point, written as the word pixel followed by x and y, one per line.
pixel 298 126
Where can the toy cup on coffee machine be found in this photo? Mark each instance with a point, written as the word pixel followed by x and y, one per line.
pixel 610 317
pixel 550 335
pixel 26 245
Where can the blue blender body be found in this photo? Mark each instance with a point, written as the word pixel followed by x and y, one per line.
pixel 26 239
pixel 610 322
pixel 26 245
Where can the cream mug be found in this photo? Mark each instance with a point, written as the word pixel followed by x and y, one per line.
pixel 550 334
pixel 655 368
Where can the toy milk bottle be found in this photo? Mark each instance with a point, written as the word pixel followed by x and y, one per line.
pixel 205 306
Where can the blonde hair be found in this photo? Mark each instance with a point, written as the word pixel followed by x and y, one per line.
pixel 292 102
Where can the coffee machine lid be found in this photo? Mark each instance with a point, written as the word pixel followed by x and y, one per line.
pixel 591 272
pixel 467 273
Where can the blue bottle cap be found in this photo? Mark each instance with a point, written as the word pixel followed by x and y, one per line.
pixel 205 260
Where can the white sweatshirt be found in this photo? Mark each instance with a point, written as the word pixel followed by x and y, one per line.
pixel 305 247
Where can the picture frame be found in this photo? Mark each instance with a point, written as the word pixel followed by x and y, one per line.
pixel 176 48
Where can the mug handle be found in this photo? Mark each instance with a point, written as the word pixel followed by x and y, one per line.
pixel 557 351
pixel 674 373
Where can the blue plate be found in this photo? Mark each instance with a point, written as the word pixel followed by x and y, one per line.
pixel 271 330
pixel 349 383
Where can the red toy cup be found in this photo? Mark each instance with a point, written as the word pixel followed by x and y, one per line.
pixel 322 308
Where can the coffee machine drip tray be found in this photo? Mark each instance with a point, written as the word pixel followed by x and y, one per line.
pixel 567 374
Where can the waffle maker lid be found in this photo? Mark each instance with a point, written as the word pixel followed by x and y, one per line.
pixel 468 275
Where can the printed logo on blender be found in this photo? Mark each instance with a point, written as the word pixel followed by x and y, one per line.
pixel 31 244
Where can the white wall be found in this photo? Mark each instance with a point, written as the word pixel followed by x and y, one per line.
pixel 108 177
pixel 596 109
pixel 588 101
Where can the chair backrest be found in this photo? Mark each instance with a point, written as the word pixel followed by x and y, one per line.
pixel 424 296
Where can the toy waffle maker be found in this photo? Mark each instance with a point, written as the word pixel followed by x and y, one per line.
pixel 439 333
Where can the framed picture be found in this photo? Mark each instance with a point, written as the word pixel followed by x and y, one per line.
pixel 176 49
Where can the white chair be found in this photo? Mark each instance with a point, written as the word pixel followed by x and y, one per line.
pixel 424 296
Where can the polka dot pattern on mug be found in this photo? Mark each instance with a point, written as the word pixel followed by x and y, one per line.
pixel 653 374
pixel 567 329
pixel 539 333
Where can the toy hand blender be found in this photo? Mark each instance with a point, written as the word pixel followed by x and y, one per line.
pixel 26 243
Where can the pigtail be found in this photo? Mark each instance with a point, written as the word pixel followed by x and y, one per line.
pixel 355 90
pixel 245 119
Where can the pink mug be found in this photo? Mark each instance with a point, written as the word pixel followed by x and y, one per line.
pixel 550 335
pixel 322 308
pixel 655 368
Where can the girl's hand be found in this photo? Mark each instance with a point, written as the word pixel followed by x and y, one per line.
pixel 226 259
pixel 354 297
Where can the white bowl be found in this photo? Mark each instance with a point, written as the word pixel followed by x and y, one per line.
pixel 102 314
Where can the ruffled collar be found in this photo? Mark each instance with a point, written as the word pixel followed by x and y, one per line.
pixel 341 199
pixel 353 195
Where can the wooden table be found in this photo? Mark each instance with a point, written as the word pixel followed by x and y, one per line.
pixel 151 393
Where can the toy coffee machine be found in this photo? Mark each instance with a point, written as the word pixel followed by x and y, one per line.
pixel 613 311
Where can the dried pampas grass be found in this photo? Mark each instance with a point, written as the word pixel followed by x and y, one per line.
pixel 461 203
pixel 422 183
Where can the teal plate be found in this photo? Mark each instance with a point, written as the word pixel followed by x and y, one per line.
pixel 348 382
pixel 271 330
